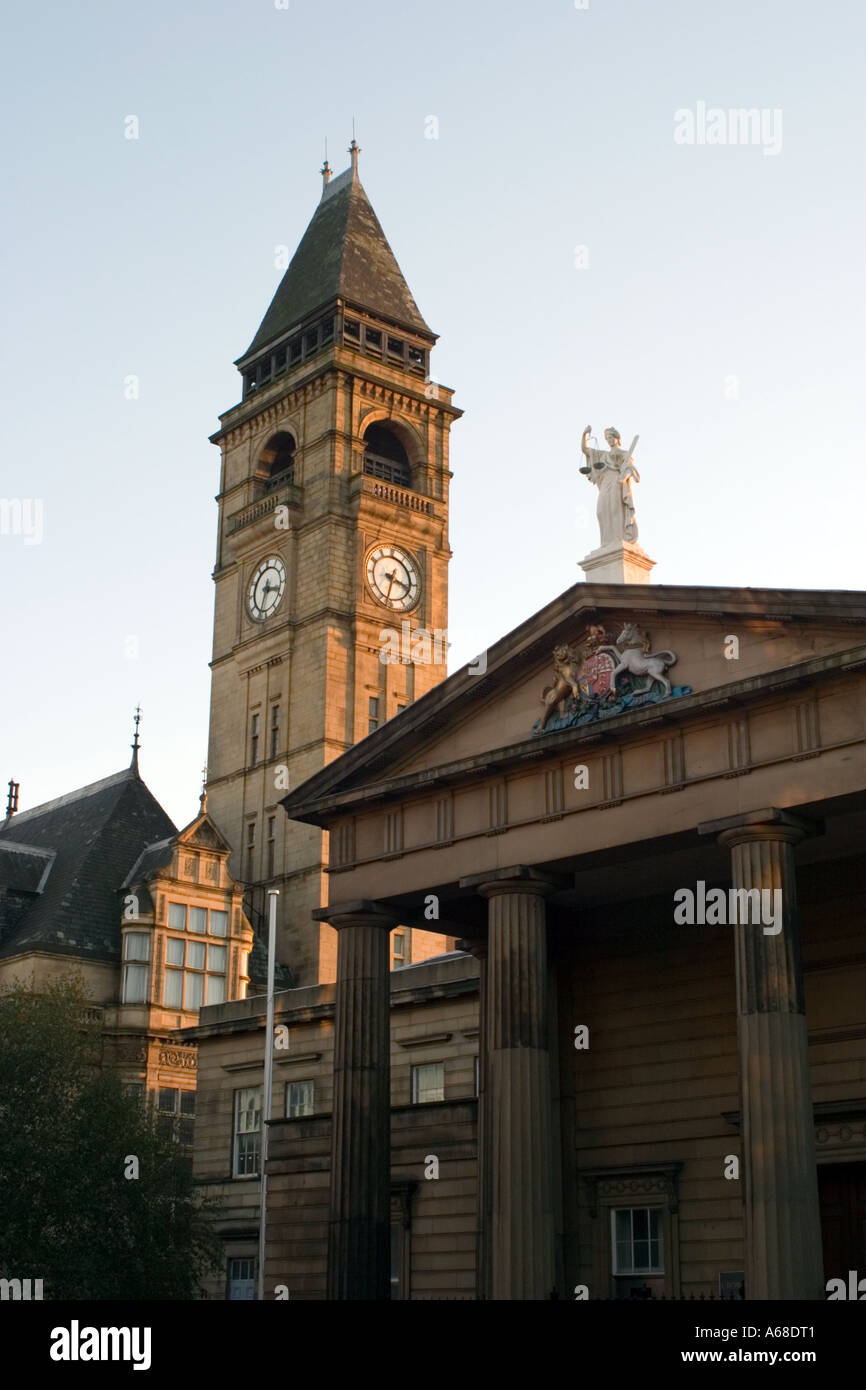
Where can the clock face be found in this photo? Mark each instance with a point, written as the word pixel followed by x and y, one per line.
pixel 266 588
pixel 393 578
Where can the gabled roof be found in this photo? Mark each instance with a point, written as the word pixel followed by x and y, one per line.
pixel 343 254
pixel 376 766
pixel 201 833
pixel 95 835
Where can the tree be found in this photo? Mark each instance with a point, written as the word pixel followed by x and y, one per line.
pixel 75 1211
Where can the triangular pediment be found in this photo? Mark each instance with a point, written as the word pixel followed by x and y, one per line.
pixel 203 834
pixel 672 650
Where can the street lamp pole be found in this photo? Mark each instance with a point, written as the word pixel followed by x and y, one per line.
pixel 273 894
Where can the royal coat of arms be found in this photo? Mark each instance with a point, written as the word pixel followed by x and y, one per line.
pixel 597 678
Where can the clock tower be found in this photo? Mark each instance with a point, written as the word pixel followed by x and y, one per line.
pixel 331 575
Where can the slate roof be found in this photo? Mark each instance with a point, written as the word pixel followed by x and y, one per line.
pixel 96 834
pixel 343 254
pixel 152 857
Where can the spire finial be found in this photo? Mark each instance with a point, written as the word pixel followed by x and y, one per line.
pixel 354 150
pixel 135 742
pixel 202 801
pixel 12 802
pixel 325 170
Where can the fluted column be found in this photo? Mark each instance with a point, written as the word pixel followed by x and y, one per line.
pixel 518 1130
pixel 782 1217
pixel 359 1217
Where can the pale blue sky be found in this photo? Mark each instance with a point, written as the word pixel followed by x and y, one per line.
pixel 155 257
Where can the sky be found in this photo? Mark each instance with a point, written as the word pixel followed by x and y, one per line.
pixel 581 260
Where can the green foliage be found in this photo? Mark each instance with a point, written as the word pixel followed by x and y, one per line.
pixel 69 1215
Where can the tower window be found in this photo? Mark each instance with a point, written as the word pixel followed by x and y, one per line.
pixel 311 340
pixel 275 730
pixel 263 371
pixel 385 457
pixel 395 347
pixel 351 328
pixel 327 330
pixel 417 358
pixel 295 350
pixel 272 844
pixel 373 338
pixel 277 459
pixel 373 714
pixel 280 357
pixel 254 740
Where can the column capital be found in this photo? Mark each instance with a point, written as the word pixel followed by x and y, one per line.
pixel 521 878
pixel 357 912
pixel 769 824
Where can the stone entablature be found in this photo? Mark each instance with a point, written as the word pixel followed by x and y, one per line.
pixel 691 747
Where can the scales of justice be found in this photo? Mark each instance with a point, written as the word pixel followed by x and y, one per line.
pixel 618 559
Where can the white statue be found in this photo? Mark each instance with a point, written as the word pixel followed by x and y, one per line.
pixel 612 471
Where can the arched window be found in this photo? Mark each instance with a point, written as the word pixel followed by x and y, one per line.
pixel 277 459
pixel 385 457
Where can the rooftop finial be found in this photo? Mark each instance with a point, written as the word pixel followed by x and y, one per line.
pixel 354 151
pixel 325 170
pixel 203 798
pixel 12 803
pixel 135 742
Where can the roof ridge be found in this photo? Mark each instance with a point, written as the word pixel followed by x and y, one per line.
pixel 127 775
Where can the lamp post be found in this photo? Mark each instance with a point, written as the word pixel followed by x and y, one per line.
pixel 273 894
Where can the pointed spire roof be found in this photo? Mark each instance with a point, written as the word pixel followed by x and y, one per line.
pixel 343 254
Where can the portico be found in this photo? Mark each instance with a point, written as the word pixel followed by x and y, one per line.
pixel 563 885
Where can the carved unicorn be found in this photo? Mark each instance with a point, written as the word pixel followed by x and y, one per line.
pixel 635 658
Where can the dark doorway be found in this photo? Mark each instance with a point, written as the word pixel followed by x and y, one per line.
pixel 842 1192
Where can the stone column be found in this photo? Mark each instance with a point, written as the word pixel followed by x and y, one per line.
pixel 359 1219
pixel 517 1176
pixel 782 1218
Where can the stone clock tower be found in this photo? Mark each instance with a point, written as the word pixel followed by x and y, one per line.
pixel 332 548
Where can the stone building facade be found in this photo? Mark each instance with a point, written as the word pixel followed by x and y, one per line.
pixel 100 882
pixel 433 1078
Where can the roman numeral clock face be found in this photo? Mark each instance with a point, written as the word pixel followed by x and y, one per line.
pixel 393 578
pixel 266 588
